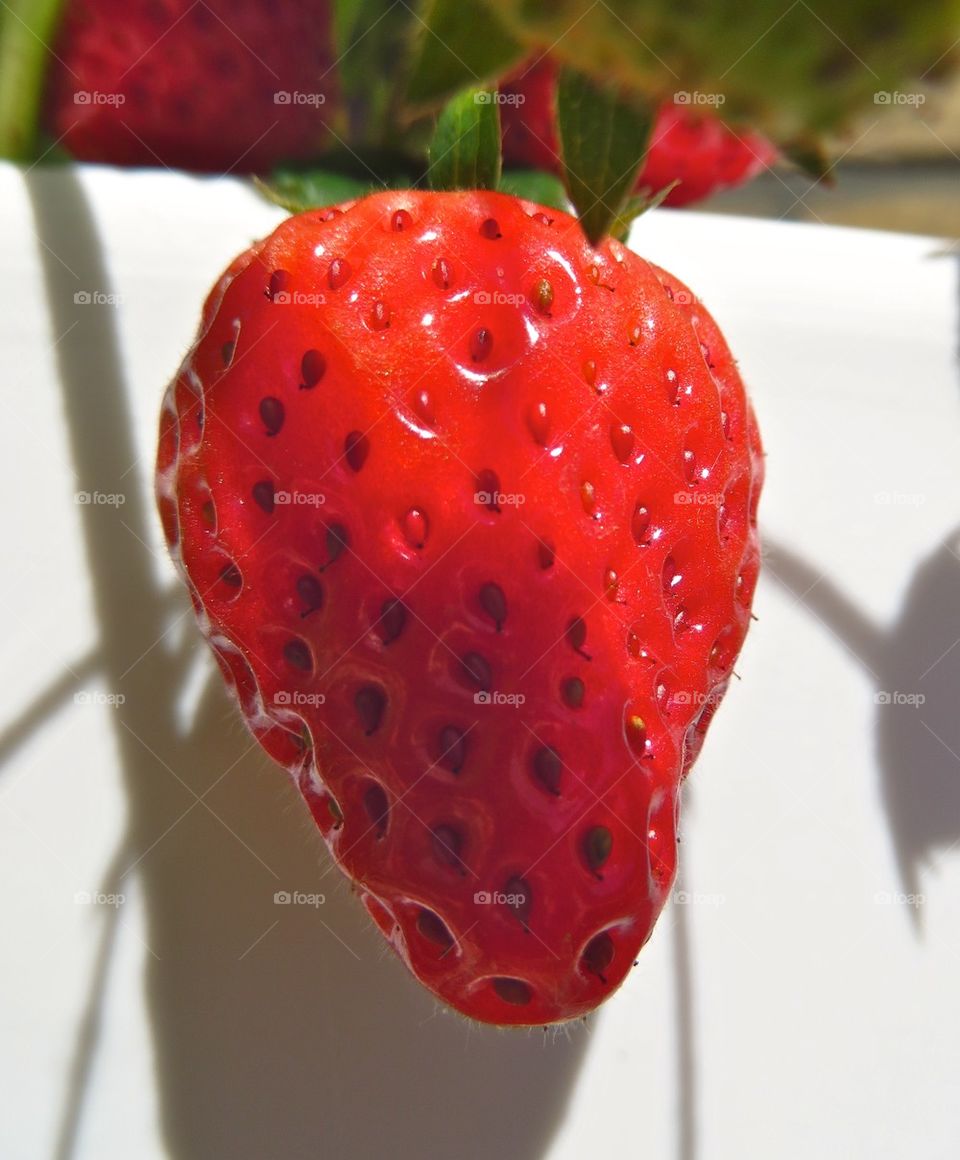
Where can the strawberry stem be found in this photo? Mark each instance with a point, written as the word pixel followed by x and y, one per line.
pixel 27 28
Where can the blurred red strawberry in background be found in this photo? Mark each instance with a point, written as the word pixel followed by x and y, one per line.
pixel 241 85
pixel 214 86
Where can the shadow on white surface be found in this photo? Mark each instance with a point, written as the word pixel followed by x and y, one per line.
pixel 918 656
pixel 685 1024
pixel 279 1031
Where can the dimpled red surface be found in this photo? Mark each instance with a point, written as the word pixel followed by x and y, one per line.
pixel 468 512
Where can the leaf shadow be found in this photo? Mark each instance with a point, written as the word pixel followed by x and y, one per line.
pixel 916 656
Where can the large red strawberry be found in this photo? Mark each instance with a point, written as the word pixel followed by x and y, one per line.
pixel 688 144
pixel 467 509
pixel 222 85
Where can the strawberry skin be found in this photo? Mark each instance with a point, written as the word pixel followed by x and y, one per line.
pixel 191 85
pixel 467 510
pixel 687 144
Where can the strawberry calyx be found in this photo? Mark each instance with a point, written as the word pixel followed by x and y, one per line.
pixel 603 138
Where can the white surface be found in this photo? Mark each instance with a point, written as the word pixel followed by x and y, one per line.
pixel 820 1022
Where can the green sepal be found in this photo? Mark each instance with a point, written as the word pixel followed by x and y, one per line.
pixel 536 185
pixel 636 206
pixel 465 150
pixel 299 190
pixel 603 141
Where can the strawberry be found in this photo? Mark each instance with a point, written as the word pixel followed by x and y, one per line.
pixel 687 144
pixel 703 153
pixel 215 86
pixel 467 511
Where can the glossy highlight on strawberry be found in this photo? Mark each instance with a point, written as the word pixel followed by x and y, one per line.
pixel 467 511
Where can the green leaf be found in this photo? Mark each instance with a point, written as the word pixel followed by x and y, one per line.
pixel 784 69
pixel 458 48
pixel 636 205
pixel 603 141
pixel 465 150
pixel 26 28
pixel 299 190
pixel 374 41
pixel 535 185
